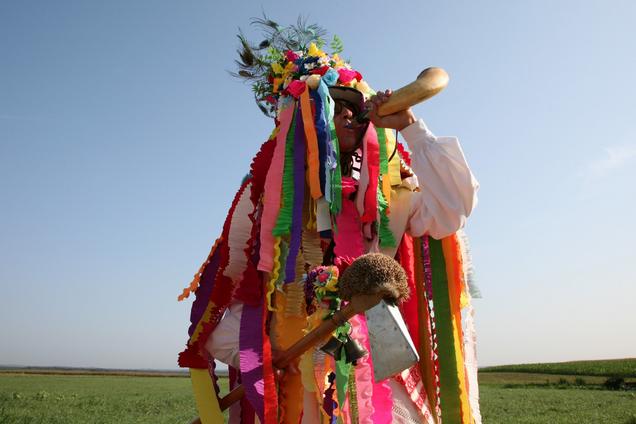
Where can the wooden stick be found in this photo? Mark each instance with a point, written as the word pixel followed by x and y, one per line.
pixel 358 304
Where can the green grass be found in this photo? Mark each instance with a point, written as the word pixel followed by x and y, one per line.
pixel 539 405
pixel 505 398
pixel 625 368
pixel 58 399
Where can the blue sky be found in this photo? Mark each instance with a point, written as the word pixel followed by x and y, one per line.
pixel 123 140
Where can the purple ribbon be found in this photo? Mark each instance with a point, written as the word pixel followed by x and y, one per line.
pixel 251 357
pixel 299 198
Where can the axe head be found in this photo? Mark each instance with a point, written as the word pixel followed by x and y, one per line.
pixel 392 349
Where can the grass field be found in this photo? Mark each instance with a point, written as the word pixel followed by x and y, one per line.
pixel 74 399
pixel 625 368
pixel 506 397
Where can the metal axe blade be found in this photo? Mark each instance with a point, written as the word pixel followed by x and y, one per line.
pixel 392 349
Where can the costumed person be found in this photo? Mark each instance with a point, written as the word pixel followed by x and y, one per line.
pixel 326 187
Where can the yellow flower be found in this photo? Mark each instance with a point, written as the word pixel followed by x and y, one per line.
pixel 339 62
pixel 289 68
pixel 277 68
pixel 315 51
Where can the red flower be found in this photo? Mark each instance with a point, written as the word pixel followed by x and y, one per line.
pixel 296 88
pixel 320 71
pixel 291 56
pixel 270 99
pixel 347 75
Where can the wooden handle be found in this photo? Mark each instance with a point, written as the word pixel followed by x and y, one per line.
pixel 357 305
pixel 234 396
pixel 428 83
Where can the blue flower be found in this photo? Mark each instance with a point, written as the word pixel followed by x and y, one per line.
pixel 330 77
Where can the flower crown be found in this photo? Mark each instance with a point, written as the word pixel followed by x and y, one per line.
pixel 288 58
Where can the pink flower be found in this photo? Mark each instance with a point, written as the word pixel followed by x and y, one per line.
pixel 291 56
pixel 347 75
pixel 296 88
pixel 323 277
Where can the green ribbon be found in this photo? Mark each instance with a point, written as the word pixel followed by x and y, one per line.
pixel 384 163
pixel 448 376
pixel 336 174
pixel 343 369
pixel 387 239
pixel 284 219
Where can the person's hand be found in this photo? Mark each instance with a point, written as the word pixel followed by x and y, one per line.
pixel 398 120
pixel 292 368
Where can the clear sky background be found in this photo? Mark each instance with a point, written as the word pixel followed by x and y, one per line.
pixel 123 140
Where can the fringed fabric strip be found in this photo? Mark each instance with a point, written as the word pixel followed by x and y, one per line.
pixel 202 295
pixel 454 270
pixel 284 220
pixel 286 329
pixel 450 401
pixel 336 179
pixel 364 179
pixel 469 269
pixel 271 394
pixel 295 304
pixel 299 197
pixel 215 289
pixel 240 237
pixel 381 393
pixel 384 163
pixel 354 416
pixel 429 311
pixel 251 357
pixel 363 374
pixel 313 159
pixel 272 190
pixel 429 361
pixel 311 249
pixel 322 135
pixel 394 163
pixel 250 288
pixel 386 191
pixel 470 336
pixel 332 164
pixel 409 308
pixel 348 239
pixel 470 361
pixel 387 239
pixel 343 369
pixel 206 400
pixel 271 284
pixel 194 284
pixel 373 158
pixel 258 171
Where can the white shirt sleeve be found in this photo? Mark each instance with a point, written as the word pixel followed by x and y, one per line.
pixel 223 343
pixel 448 189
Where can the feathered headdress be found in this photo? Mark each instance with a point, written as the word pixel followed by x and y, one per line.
pixel 287 57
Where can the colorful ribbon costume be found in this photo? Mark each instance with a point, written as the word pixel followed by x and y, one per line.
pixel 295 208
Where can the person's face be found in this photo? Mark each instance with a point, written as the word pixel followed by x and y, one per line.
pixel 348 130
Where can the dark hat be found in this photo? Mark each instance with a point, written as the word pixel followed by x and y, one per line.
pixel 349 95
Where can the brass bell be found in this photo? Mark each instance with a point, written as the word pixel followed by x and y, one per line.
pixel 332 347
pixel 354 351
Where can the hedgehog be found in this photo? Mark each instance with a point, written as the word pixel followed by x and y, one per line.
pixel 374 273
